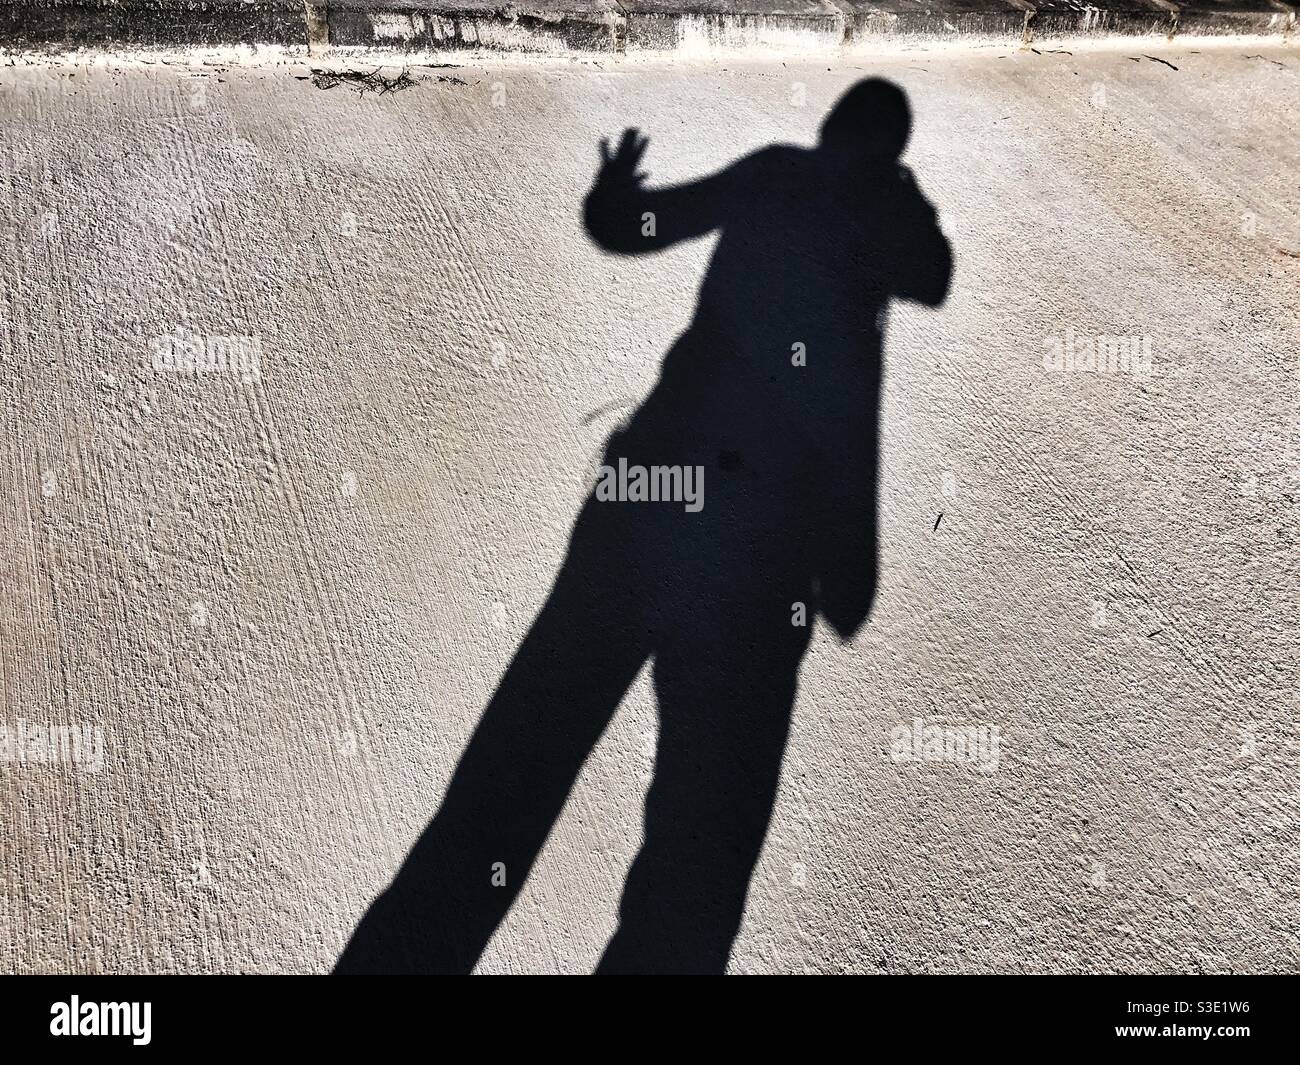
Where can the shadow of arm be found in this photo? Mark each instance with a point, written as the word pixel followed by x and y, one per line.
pixel 624 217
pixel 926 273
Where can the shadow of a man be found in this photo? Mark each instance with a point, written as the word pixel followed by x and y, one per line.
pixel 734 506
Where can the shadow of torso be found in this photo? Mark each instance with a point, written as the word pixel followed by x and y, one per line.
pixel 773 391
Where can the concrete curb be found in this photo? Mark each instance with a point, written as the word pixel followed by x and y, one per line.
pixel 605 27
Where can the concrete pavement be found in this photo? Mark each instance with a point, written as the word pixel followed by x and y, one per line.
pixel 281 591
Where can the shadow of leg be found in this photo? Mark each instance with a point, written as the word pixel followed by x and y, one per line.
pixel 724 719
pixel 551 707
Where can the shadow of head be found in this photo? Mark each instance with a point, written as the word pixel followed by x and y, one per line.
pixel 871 123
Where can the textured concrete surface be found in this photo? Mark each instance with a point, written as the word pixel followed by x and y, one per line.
pixel 283 590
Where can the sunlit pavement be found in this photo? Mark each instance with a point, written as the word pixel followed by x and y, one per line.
pixel 271 599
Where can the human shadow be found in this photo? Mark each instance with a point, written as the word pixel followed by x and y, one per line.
pixel 755 514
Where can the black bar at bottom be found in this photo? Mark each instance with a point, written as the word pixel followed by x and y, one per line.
pixel 1221 1015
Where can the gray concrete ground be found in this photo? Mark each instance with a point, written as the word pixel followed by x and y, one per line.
pixel 283 597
